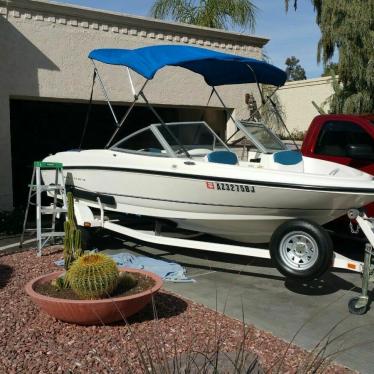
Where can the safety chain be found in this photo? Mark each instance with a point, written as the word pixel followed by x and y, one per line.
pixel 354 230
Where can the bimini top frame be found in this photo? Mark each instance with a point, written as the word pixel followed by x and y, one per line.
pixel 216 68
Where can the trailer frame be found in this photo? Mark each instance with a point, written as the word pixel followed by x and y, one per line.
pixel 357 305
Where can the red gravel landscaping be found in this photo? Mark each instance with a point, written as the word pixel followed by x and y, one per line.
pixel 32 342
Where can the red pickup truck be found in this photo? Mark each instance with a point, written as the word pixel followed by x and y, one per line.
pixel 344 139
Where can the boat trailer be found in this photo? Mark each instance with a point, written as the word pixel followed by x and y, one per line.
pixel 357 305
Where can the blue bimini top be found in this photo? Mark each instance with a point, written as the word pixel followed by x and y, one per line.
pixel 217 68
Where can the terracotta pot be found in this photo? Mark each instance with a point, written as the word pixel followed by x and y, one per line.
pixel 92 312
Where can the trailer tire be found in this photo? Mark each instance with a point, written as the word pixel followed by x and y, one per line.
pixel 301 249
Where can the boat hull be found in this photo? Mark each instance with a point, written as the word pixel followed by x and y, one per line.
pixel 225 207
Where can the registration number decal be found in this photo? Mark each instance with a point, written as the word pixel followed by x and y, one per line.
pixel 232 187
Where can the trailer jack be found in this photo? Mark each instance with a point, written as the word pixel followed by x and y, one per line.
pixel 359 304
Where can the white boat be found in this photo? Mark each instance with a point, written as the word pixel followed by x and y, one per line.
pixel 185 173
pixel 243 200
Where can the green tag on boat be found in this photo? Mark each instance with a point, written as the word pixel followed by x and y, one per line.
pixel 41 164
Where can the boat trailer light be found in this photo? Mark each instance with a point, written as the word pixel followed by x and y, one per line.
pixel 87 224
pixel 351 266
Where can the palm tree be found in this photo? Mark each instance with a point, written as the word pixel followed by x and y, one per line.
pixel 218 14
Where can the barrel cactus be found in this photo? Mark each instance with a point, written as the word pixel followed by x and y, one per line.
pixel 93 276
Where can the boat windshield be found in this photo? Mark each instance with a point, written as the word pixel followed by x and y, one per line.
pixel 256 136
pixel 173 140
pixel 195 137
pixel 143 141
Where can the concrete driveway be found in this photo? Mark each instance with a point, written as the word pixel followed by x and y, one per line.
pixel 238 285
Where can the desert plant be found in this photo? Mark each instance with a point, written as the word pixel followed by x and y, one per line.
pixel 72 240
pixel 272 115
pixel 59 283
pixel 127 280
pixel 93 276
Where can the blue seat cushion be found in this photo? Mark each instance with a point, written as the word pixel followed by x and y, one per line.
pixel 288 157
pixel 223 157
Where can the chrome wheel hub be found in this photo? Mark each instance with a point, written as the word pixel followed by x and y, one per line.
pixel 299 250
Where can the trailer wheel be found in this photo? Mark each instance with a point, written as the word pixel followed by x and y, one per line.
pixel 357 307
pixel 301 249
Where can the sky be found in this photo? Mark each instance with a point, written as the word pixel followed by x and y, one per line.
pixel 290 34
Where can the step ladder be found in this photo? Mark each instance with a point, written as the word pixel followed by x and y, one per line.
pixel 57 191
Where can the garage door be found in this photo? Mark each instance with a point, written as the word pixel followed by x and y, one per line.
pixel 39 128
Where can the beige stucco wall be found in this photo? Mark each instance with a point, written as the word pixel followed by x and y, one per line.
pixel 296 99
pixel 44 48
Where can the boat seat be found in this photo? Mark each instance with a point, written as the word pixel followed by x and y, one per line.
pixel 288 157
pixel 222 157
